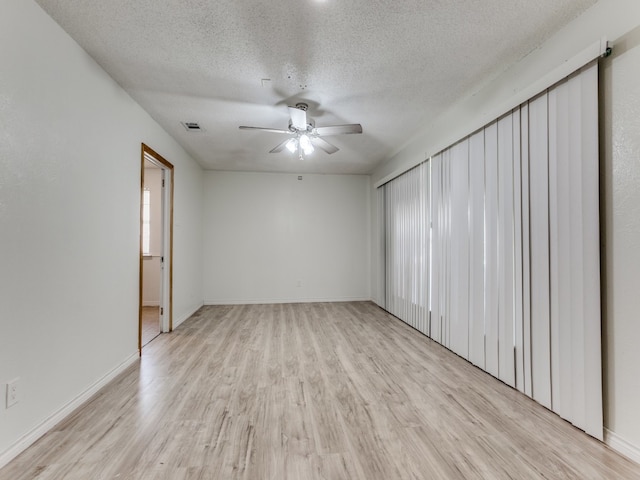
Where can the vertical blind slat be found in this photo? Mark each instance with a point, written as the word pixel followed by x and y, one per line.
pixel 506 365
pixel 518 309
pixel 539 218
pixel 491 250
pixel 476 241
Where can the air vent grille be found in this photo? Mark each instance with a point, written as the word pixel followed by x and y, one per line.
pixel 192 126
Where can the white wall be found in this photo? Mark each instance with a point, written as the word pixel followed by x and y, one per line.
pixel 151 264
pixel 612 19
pixel 153 182
pixel 264 233
pixel 621 252
pixel 69 215
pixel 151 274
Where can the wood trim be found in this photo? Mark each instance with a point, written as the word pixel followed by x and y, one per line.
pixel 173 182
pixel 140 265
pixel 156 156
pixel 146 150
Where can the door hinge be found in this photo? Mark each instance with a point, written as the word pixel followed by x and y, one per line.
pixel 163 183
pixel 161 311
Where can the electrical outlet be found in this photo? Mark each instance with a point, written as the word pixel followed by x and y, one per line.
pixel 13 392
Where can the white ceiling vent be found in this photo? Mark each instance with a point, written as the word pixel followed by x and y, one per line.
pixel 192 126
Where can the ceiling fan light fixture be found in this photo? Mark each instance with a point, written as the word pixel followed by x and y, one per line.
pixel 292 145
pixel 305 144
pixel 305 136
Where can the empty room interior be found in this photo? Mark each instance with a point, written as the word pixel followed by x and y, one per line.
pixel 315 239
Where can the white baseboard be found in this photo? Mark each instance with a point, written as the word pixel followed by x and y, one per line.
pixel 39 430
pixel 271 301
pixel 177 321
pixel 622 445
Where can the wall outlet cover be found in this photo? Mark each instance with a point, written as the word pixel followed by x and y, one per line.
pixel 13 392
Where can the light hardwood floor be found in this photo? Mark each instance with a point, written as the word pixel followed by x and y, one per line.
pixel 150 324
pixel 310 391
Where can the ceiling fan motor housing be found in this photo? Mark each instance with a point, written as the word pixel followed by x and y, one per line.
pixel 311 124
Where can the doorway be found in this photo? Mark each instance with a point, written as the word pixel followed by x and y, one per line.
pixel 156 247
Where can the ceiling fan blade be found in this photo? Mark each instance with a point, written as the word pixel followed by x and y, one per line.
pixel 339 129
pixel 274 130
pixel 279 147
pixel 324 145
pixel 298 118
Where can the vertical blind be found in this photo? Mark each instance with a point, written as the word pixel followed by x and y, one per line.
pixel 407 219
pixel 491 248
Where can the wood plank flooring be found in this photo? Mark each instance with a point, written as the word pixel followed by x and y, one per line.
pixel 150 324
pixel 324 391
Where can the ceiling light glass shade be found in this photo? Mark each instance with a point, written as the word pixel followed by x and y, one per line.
pixel 292 145
pixel 305 144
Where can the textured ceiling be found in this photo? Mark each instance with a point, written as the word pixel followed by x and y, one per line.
pixel 390 65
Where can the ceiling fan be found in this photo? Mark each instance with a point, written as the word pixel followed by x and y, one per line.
pixel 305 136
